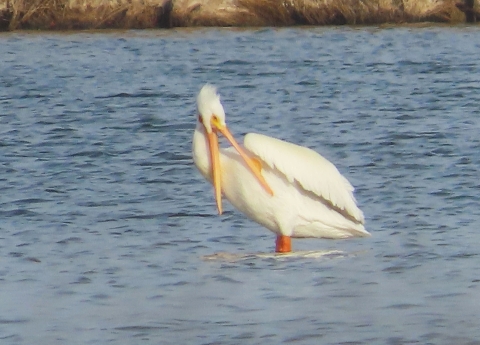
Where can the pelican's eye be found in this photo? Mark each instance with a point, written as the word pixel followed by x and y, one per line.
pixel 215 120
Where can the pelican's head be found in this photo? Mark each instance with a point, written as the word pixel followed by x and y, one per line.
pixel 210 109
pixel 211 117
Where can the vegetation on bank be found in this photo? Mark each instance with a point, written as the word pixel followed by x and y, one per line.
pixel 95 14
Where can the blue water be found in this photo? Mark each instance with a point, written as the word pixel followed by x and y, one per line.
pixel 105 221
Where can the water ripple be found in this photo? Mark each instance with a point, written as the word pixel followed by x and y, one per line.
pixel 106 223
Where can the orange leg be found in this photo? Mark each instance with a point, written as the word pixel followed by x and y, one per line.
pixel 283 244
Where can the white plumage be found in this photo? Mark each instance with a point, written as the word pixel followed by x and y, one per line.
pixel 310 197
pixel 306 167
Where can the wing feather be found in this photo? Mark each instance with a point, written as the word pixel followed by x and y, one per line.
pixel 308 169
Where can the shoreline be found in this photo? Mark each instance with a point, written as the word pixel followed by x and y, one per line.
pixel 149 14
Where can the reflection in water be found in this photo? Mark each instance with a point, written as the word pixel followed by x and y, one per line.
pixel 106 221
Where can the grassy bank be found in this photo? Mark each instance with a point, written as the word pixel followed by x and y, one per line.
pixel 94 14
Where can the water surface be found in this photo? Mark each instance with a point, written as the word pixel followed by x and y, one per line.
pixel 104 219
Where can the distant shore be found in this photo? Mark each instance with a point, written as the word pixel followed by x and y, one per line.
pixel 144 14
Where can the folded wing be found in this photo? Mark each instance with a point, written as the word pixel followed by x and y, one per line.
pixel 308 170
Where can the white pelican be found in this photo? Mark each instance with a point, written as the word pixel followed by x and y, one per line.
pixel 289 189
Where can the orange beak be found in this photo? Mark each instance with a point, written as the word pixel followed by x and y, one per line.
pixel 216 167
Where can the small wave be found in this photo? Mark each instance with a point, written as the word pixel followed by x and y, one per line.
pixel 130 95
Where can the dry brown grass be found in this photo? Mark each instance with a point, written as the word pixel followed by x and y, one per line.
pixel 432 11
pixel 206 13
pixel 91 14
pixel 83 14
pixel 352 12
pixel 310 12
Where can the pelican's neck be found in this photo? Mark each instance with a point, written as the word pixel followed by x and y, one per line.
pixel 201 154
